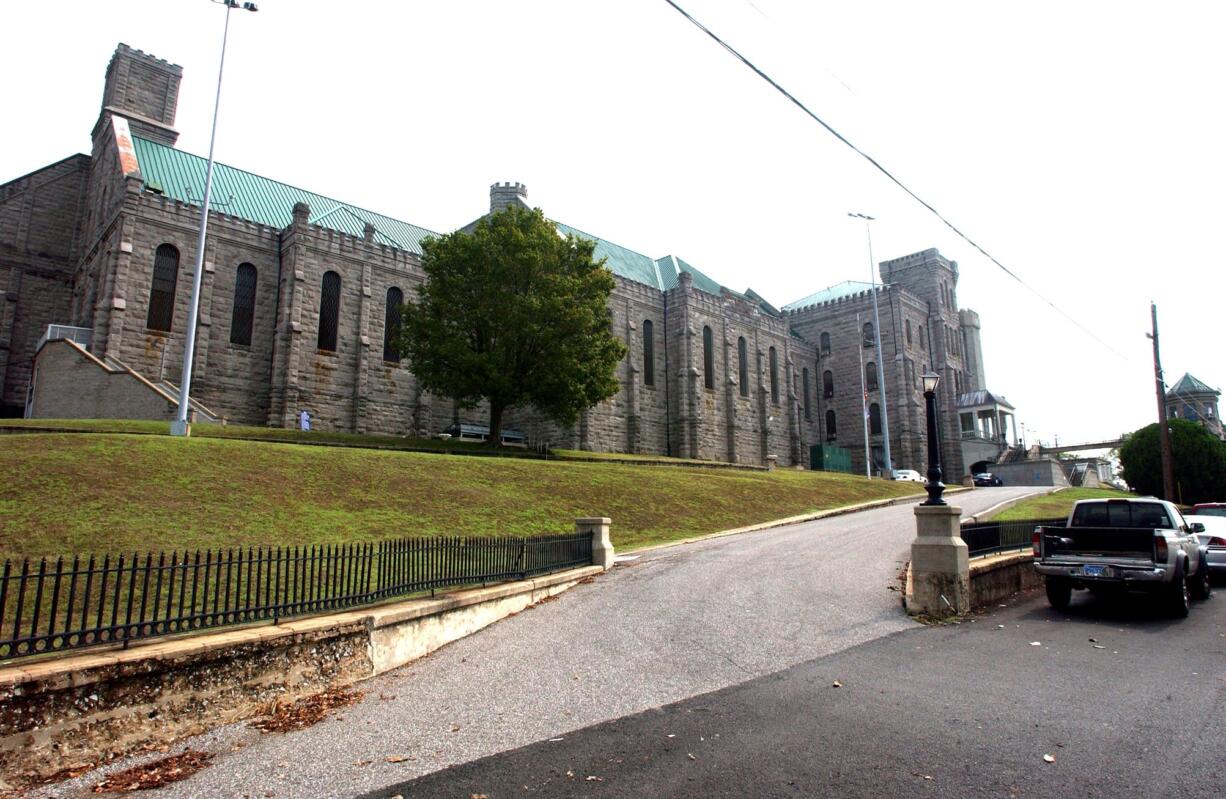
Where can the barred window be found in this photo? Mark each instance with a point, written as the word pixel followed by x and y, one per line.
pixel 162 290
pixel 805 379
pixel 828 384
pixel 242 316
pixel 774 364
pixel 870 376
pixel 825 343
pixel 391 324
pixel 649 353
pixel 329 311
pixel 874 419
pixel 832 431
pixel 742 354
pixel 908 327
pixel 708 358
pixel 869 334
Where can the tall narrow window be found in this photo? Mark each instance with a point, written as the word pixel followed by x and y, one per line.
pixel 774 364
pixel 649 353
pixel 827 384
pixel 870 376
pixel 708 358
pixel 162 290
pixel 923 338
pixel 869 337
pixel 804 376
pixel 243 313
pixel 825 343
pixel 832 431
pixel 742 355
pixel 874 419
pixel 907 325
pixel 329 311
pixel 391 325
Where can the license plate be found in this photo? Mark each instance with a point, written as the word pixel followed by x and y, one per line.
pixel 1094 571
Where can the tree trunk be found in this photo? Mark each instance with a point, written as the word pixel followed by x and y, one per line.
pixel 495 439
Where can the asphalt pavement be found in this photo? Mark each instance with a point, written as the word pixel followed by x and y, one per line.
pixel 1112 699
pixel 672 624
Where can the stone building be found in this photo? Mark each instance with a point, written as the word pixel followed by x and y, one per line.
pixel 1195 401
pixel 300 294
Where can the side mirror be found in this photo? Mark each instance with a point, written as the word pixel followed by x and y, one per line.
pixel 1197 527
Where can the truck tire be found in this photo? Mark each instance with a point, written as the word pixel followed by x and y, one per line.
pixel 1202 585
pixel 1059 592
pixel 1180 597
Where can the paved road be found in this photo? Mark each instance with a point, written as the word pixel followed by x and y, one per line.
pixel 673 624
pixel 1128 702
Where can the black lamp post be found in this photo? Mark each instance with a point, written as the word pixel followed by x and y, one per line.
pixel 934 487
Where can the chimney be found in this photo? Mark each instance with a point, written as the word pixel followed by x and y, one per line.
pixel 503 195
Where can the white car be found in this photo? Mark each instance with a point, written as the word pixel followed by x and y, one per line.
pixel 1214 538
pixel 908 474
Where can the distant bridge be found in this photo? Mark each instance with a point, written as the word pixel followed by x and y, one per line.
pixel 1110 444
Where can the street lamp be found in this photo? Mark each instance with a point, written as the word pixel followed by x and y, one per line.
pixel 179 426
pixel 934 487
pixel 885 406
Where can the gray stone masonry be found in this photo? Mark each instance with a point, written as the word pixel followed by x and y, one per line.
pixel 940 570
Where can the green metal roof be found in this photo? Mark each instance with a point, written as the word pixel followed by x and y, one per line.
pixel 1190 385
pixel 839 290
pixel 621 261
pixel 180 176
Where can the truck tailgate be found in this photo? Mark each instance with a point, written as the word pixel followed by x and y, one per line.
pixel 1135 543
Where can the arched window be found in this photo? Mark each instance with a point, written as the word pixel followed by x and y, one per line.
pixel 870 376
pixel 831 430
pixel 329 311
pixel 742 355
pixel 243 314
pixel 907 324
pixel 391 324
pixel 869 338
pixel 804 376
pixel 874 419
pixel 162 289
pixel 708 358
pixel 649 353
pixel 774 363
pixel 825 343
pixel 827 384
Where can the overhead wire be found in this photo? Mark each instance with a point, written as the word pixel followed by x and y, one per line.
pixel 736 54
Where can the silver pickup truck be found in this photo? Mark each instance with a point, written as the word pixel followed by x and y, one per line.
pixel 1123 545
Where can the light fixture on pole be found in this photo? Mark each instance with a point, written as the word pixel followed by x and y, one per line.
pixel 885 406
pixel 179 426
pixel 934 486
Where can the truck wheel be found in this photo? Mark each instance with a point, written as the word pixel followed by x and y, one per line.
pixel 1180 595
pixel 1059 592
pixel 1202 585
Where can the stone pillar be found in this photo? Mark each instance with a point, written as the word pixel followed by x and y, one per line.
pixel 940 574
pixel 602 545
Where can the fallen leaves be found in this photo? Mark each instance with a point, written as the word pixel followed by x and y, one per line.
pixel 155 774
pixel 399 758
pixel 306 711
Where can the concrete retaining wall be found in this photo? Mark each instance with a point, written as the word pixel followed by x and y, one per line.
pixel 1002 576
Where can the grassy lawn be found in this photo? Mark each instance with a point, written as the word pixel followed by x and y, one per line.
pixel 107 492
pixel 1051 506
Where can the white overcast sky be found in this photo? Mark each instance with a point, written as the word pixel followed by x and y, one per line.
pixel 1081 143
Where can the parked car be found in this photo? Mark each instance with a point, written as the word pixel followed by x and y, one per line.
pixel 1125 545
pixel 987 479
pixel 1214 539
pixel 1209 509
pixel 909 475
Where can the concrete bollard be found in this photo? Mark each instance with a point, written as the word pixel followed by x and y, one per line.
pixel 602 544
pixel 940 570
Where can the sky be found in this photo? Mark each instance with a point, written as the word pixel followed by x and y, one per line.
pixel 1078 143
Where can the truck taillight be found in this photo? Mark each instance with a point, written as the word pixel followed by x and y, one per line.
pixel 1036 543
pixel 1217 541
pixel 1160 549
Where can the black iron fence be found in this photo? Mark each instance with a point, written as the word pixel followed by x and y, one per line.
pixel 988 538
pixel 72 602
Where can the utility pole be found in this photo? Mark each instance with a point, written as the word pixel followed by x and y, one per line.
pixel 868 460
pixel 885 404
pixel 1164 435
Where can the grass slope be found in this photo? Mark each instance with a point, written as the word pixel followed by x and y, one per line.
pixel 1050 506
pixel 72 493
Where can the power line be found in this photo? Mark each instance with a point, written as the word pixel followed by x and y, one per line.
pixel 735 53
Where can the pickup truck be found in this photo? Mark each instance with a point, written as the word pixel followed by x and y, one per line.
pixel 1123 544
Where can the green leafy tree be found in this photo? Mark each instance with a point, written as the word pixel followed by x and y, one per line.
pixel 513 313
pixel 1198 458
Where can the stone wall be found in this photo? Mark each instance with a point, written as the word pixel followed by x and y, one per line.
pixel 69 383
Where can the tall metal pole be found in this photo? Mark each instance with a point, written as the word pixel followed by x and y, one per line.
pixel 1164 435
pixel 885 405
pixel 868 461
pixel 179 426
